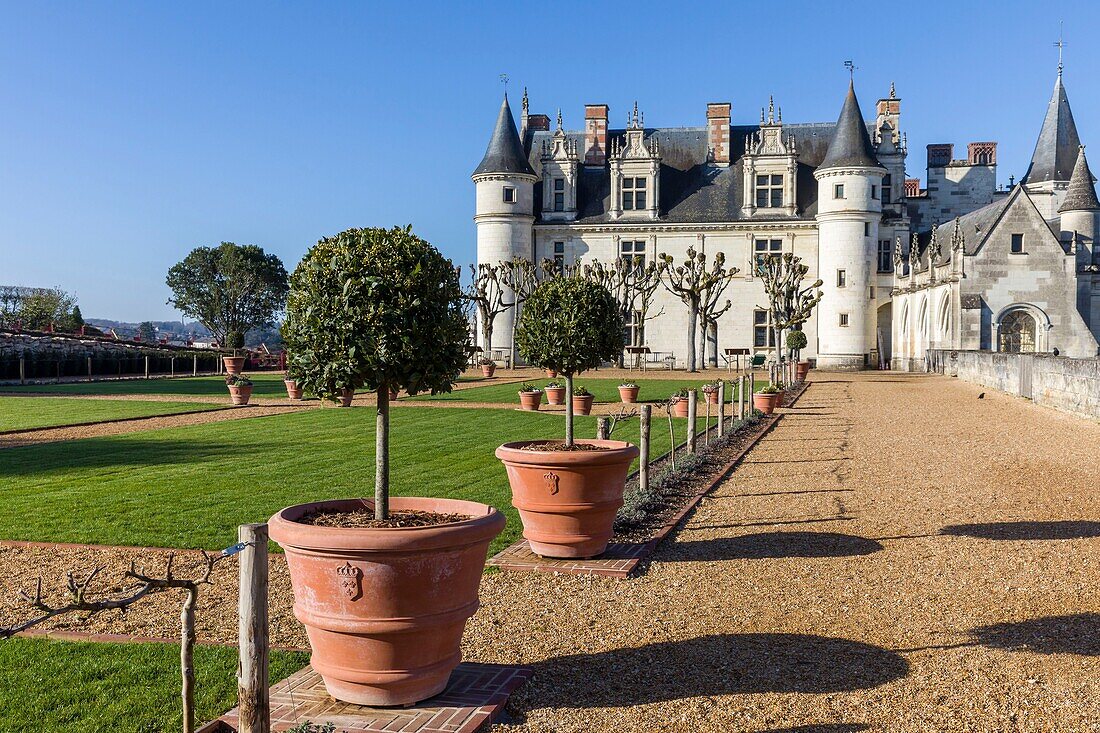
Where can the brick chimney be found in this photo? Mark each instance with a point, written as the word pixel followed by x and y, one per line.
pixel 982 153
pixel 912 187
pixel 939 155
pixel 595 134
pixel 718 131
pixel 540 123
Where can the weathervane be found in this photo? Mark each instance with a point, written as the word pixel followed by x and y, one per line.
pixel 851 67
pixel 1061 45
pixel 504 81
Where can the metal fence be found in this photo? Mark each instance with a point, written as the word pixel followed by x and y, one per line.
pixel 40 367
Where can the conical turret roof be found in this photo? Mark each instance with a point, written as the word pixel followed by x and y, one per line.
pixel 1056 149
pixel 505 151
pixel 1080 194
pixel 851 145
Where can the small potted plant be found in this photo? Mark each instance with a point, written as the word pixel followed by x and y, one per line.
pixel 710 389
pixel 555 393
pixel 582 401
pixel 628 392
pixel 567 492
pixel 234 364
pixel 293 391
pixel 488 367
pixel 383 587
pixel 766 399
pixel 678 402
pixel 347 396
pixel 240 388
pixel 530 397
pixel 796 341
pixel 550 374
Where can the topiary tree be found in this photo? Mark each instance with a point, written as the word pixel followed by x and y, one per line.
pixel 375 308
pixel 569 325
pixel 796 341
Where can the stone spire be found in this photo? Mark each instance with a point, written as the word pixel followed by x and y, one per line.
pixel 1080 194
pixel 1056 149
pixel 851 145
pixel 505 151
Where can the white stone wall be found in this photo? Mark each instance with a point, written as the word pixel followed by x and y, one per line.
pixel 504 230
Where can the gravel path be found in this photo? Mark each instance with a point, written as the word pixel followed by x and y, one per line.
pixel 896 555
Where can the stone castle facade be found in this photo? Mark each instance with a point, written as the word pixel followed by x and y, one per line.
pixel 957 264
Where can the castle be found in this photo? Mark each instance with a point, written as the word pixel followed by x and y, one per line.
pixel 958 264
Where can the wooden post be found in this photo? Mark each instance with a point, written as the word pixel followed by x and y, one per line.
pixel 22 370
pixel 173 366
pixel 252 681
pixel 691 421
pixel 601 428
pixel 721 407
pixel 643 449
pixel 89 366
pixel 195 365
pixel 59 371
pixel 741 397
pixel 146 366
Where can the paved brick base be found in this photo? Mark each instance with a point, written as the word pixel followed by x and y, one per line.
pixel 475 696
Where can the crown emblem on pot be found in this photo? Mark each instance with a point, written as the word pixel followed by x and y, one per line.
pixel 551 482
pixel 349 580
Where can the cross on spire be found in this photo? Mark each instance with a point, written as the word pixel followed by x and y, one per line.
pixel 1061 44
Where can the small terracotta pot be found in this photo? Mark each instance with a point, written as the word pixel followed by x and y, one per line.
pixel 554 395
pixel 712 397
pixel 629 395
pixel 293 391
pixel 801 369
pixel 240 394
pixel 233 364
pixel 346 396
pixel 582 404
pixel 766 403
pixel 530 400
pixel 384 609
pixel 680 407
pixel 488 370
pixel 393 395
pixel 550 374
pixel 567 499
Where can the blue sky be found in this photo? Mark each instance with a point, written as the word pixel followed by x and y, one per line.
pixel 133 132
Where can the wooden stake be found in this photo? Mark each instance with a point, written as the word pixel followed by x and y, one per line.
pixel 89 366
pixel 691 421
pixel 721 408
pixel 146 366
pixel 643 449
pixel 601 428
pixel 195 365
pixel 252 679
pixel 22 370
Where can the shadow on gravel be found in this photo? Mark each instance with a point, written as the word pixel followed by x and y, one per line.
pixel 821 728
pixel 722 664
pixel 1074 634
pixel 772 545
pixel 1065 530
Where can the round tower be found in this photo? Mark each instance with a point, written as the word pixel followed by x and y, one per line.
pixel 504 182
pixel 1080 209
pixel 849 207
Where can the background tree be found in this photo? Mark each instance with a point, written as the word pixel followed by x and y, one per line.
pixel 147 331
pixel 790 304
pixel 38 308
pixel 486 292
pixel 381 309
pixel 632 283
pixel 521 276
pixel 76 320
pixel 568 326
pixel 689 282
pixel 229 289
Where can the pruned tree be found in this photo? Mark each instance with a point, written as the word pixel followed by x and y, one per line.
pixel 77 600
pixel 632 282
pixel 690 282
pixel 522 277
pixel 552 270
pixel 709 313
pixel 487 292
pixel 789 303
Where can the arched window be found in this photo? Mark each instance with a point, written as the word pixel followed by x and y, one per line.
pixel 1017 333
pixel 945 317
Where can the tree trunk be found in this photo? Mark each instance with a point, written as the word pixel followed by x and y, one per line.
pixel 187 654
pixel 569 410
pixel 712 333
pixel 702 352
pixel 486 336
pixel 693 319
pixel 512 343
pixel 382 455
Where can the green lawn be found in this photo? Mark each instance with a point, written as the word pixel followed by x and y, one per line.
pixel 191 486
pixel 84 687
pixel 604 390
pixel 25 413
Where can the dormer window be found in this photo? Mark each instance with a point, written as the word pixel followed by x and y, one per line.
pixel 509 194
pixel 634 194
pixel 559 194
pixel 769 191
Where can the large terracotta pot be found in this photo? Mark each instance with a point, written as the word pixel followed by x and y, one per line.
pixel 346 397
pixel 240 394
pixel 712 397
pixel 554 395
pixel 567 499
pixel 384 609
pixel 530 400
pixel 629 395
pixel 582 404
pixel 801 369
pixel 233 364
pixel 680 407
pixel 293 391
pixel 766 403
pixel 488 370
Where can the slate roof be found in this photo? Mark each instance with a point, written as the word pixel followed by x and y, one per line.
pixel 692 189
pixel 851 145
pixel 1056 149
pixel 1080 194
pixel 505 151
pixel 974 226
